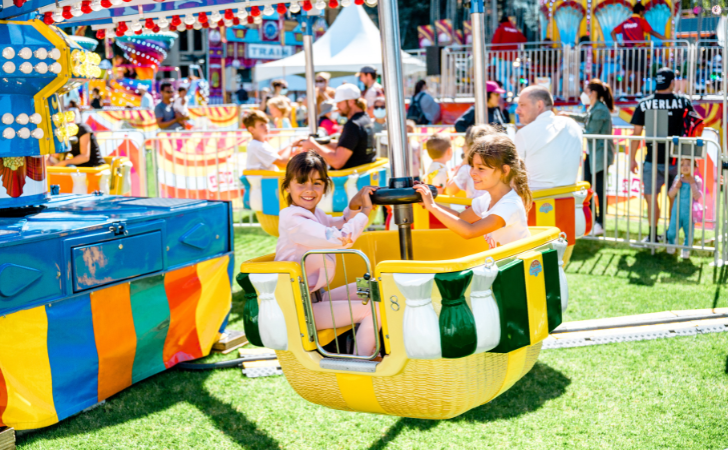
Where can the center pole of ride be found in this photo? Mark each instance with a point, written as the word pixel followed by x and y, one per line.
pixel 399 156
pixel 477 19
pixel 310 75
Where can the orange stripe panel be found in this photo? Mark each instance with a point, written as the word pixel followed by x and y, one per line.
pixel 183 290
pixel 115 338
pixel 566 217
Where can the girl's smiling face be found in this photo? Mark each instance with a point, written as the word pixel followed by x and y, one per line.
pixel 484 177
pixel 308 194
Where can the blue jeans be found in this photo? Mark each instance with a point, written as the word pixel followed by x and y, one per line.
pixel 685 221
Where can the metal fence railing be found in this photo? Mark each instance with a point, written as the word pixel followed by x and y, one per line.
pixel 630 70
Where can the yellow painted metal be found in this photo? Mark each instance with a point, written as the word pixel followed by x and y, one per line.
pixel 358 393
pixel 538 323
pixel 546 212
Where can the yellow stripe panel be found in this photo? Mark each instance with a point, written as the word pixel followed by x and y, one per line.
pixel 516 361
pixel 422 218
pixel 215 300
pixel 546 213
pixel 27 370
pixel 358 392
pixel 536 293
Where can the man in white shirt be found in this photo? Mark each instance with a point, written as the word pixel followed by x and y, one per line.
pixel 550 145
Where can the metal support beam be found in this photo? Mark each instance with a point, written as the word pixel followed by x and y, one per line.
pixel 310 74
pixel 399 157
pixel 479 61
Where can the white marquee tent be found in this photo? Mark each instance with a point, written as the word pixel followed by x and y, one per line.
pixel 352 42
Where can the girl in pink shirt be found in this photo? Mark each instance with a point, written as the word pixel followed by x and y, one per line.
pixel 303 227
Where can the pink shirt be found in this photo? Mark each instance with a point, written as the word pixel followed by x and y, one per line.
pixel 300 230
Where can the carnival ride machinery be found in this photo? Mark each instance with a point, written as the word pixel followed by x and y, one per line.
pixel 460 322
pixel 97 292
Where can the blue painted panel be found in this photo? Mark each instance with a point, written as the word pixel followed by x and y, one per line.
pixel 246 196
pixel 340 200
pixel 269 188
pixel 215 222
pixel 363 181
pixel 99 264
pixel 383 177
pixel 44 257
pixel 73 357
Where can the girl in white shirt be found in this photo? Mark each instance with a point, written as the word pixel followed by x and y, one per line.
pixel 303 227
pixel 499 214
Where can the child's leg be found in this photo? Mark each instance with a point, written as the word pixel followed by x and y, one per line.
pixel 343 316
pixel 686 223
pixel 672 230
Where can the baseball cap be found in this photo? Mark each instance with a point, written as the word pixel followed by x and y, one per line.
pixel 492 86
pixel 345 92
pixel 367 69
pixel 327 107
pixel 664 78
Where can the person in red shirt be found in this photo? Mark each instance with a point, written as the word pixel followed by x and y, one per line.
pixel 506 33
pixel 634 31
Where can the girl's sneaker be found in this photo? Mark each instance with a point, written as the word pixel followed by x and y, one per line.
pixel 670 250
pixel 598 229
pixel 685 253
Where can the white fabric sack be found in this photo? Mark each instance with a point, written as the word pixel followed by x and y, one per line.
pixel 350 186
pixel 579 218
pixel 485 308
pixel 560 247
pixel 421 326
pixel 271 323
pixel 256 194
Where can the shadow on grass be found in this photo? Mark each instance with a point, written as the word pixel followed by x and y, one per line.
pixel 540 385
pixel 158 393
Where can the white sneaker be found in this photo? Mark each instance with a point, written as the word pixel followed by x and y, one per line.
pixel 598 230
pixel 670 250
pixel 685 253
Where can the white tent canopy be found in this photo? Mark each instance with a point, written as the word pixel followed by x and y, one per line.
pixel 352 42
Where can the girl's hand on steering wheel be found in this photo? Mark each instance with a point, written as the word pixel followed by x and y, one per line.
pixel 427 200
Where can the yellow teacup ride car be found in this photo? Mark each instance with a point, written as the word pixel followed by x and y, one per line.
pixel 460 323
pixel 566 207
pixel 112 178
pixel 263 194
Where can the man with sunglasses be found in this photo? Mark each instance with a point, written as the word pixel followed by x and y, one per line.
pixel 323 91
pixel 164 111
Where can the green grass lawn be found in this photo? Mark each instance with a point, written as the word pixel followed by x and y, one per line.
pixel 670 393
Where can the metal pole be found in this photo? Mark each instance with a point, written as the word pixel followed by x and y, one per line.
pixel 724 150
pixel 493 17
pixel 399 156
pixel 310 76
pixel 479 61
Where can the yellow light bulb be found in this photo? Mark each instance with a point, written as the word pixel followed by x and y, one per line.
pixel 70 116
pixel 57 119
pixel 95 58
pixel 72 129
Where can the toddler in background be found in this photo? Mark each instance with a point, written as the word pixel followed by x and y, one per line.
pixel 260 155
pixel 280 110
pixel 439 148
pixel 691 212
pixel 181 105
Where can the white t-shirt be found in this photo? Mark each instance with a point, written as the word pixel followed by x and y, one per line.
pixel 509 208
pixel 551 148
pixel 371 94
pixel 260 156
pixel 437 174
pixel 464 182
pixel 180 106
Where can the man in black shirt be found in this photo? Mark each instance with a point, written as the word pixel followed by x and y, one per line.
pixel 676 106
pixel 356 144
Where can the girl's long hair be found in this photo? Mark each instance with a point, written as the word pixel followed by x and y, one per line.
pixel 300 168
pixel 498 150
pixel 604 92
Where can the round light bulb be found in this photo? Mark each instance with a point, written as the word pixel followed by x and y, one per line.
pixel 41 53
pixel 242 14
pixel 22 119
pixel 26 67
pixel 96 6
pixel 163 23
pixel 181 28
pixel 345 3
pixel 268 10
pixel 116 2
pixel 60 133
pixel 8 119
pixel 70 116
pixel 96 72
pixel 9 67
pixel 136 26
pixel 258 20
pixel 37 133
pixel 8 133
pixel 72 129
pixel 41 68
pixel 35 118
pixel 56 118
pixel 228 23
pixel 57 17
pixel 23 133
pixel 54 53
pixel 77 70
pixel 25 53
pixel 197 26
pixel 320 5
pixel 8 53
pixel 56 68
pixel 189 19
pixel 215 17
pixel 294 8
pixel 76 11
